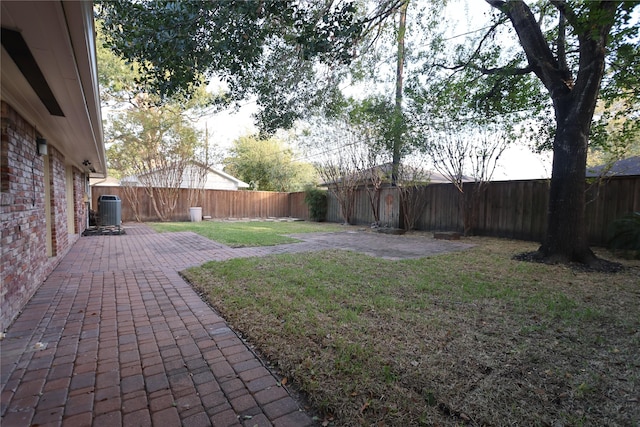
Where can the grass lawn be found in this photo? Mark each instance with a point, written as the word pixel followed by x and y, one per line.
pixel 472 337
pixel 247 234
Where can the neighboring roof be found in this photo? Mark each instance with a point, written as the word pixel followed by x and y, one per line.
pixel 239 183
pixel 104 182
pixel 59 36
pixel 624 167
pixel 431 176
pixel 438 178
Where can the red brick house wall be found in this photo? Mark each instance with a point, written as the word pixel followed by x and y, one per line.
pixel 80 199
pixel 58 202
pixel 24 262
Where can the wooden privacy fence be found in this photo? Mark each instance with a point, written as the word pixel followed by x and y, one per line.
pixel 514 209
pixel 215 203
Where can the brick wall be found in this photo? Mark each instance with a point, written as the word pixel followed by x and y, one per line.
pixel 59 232
pixel 24 263
pixel 79 195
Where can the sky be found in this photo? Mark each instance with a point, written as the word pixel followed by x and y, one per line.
pixel 517 162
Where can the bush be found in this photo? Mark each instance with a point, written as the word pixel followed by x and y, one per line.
pixel 625 234
pixel 316 200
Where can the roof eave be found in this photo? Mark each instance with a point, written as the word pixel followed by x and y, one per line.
pixel 61 38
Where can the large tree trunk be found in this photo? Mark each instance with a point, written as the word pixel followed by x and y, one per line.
pixel 566 236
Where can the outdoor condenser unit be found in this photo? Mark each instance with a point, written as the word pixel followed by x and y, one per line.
pixel 110 210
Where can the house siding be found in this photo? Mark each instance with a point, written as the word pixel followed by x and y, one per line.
pixel 23 242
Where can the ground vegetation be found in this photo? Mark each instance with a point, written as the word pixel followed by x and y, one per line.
pixel 471 338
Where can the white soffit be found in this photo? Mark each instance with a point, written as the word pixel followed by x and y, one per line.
pixel 60 36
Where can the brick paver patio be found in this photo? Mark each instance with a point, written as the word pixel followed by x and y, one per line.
pixel 115 337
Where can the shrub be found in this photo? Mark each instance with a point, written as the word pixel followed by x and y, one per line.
pixel 316 200
pixel 625 234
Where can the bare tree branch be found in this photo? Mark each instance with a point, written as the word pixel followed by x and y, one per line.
pixel 342 172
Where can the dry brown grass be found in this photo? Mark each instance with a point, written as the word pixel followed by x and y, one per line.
pixel 466 338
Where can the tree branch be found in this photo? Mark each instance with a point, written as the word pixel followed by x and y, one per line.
pixel 475 53
pixel 539 55
pixel 384 10
pixel 567 12
pixel 561 50
pixel 374 23
pixel 504 71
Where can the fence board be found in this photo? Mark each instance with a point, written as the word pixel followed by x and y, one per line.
pixel 390 208
pixel 297 207
pixel 526 211
pixel 333 209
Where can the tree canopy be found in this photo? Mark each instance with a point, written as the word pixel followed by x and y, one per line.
pixel 150 144
pixel 268 165
pixel 271 49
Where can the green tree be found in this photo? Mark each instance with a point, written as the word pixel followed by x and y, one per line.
pixel 617 136
pixel 152 147
pixel 397 140
pixel 115 77
pixel 269 49
pixel 598 33
pixel 568 54
pixel 267 165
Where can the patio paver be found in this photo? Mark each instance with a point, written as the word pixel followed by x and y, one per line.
pixel 115 336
